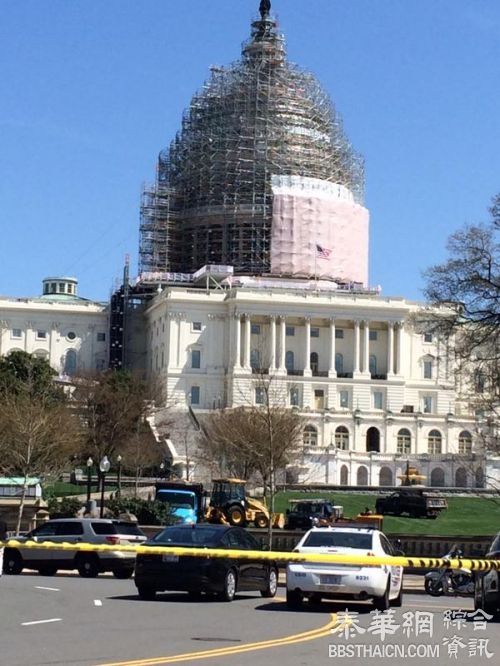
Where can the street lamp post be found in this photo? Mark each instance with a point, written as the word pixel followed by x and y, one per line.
pixel 119 477
pixel 104 466
pixel 90 462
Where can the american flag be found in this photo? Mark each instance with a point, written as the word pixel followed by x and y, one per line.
pixel 322 252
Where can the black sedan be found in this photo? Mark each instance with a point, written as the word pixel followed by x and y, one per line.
pixel 196 575
pixel 487 585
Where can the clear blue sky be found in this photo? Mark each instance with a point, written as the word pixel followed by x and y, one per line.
pixel 90 91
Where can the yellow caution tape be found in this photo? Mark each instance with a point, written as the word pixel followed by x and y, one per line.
pixel 275 556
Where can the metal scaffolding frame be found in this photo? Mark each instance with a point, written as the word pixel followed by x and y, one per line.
pixel 211 202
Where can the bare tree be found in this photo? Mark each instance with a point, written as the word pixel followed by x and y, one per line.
pixel 467 286
pixel 37 438
pixel 262 436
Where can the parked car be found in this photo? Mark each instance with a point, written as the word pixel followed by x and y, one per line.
pixel 487 584
pixel 383 584
pixel 76 530
pixel 196 575
pixel 303 514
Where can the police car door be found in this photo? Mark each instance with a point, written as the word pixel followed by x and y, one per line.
pixel 395 571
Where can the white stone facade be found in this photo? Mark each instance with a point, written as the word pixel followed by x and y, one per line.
pixel 375 390
pixel 70 332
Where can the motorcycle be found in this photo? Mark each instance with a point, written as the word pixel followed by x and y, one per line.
pixel 451 582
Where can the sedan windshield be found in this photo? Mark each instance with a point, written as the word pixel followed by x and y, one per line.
pixel 180 536
pixel 338 540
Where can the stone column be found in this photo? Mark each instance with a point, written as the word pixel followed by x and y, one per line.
pixel 237 345
pixel 356 347
pixel 246 353
pixel 399 345
pixel 281 367
pixel 272 355
pixel 307 364
pixel 366 348
pixel 331 369
pixel 390 348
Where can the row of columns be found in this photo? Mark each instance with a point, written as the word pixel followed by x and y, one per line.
pixel 393 329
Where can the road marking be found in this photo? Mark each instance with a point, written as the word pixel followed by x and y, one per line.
pixel 310 635
pixel 54 619
pixel 97 602
pixel 52 589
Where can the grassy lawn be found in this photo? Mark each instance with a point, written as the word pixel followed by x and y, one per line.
pixel 474 516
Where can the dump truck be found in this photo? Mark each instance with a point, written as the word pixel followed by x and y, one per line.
pixel 230 504
pixel 415 502
pixel 186 500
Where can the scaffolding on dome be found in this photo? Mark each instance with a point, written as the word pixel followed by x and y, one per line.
pixel 260 117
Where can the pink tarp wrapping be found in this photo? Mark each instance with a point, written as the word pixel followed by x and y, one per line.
pixel 317 229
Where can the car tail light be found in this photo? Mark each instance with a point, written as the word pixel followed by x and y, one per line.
pixel 113 540
pixel 370 554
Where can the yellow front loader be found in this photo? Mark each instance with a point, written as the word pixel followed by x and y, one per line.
pixel 230 504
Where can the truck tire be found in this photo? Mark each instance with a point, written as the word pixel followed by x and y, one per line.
pixel 261 521
pixel 236 516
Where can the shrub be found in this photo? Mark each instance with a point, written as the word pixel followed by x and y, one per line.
pixel 68 507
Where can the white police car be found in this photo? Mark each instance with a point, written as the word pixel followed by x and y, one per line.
pixel 314 581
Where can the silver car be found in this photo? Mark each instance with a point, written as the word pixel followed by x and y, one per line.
pixel 76 530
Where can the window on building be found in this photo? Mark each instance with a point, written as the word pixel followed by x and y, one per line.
pixel 319 399
pixel 465 443
pixel 41 353
pixel 434 442
pixel 373 335
pixel 16 333
pixel 314 332
pixel 427 337
pixel 259 395
pixel 310 436
pixel 378 400
pixel 255 328
pixel 372 361
pixel 71 335
pixel 255 359
pixel 342 438
pixel 427 404
pixel 289 361
pixel 195 395
pixel 404 441
pixel 479 381
pixel 101 337
pixel 290 331
pixel 314 361
pixel 427 368
pixel 344 399
pixel 70 362
pixel 339 333
pixel 196 358
pixel 196 325
pixel 41 335
pixel 53 287
pixel 339 363
pixel 294 397
pixel 61 287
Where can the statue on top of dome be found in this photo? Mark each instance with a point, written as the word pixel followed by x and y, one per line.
pixel 265 8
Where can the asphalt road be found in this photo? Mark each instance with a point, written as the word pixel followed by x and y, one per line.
pixel 68 620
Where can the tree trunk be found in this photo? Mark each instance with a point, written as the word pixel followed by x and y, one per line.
pixel 21 505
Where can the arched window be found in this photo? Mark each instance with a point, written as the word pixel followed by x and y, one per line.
pixel 362 476
pixel 465 443
pixel 373 364
pixel 289 361
pixel 437 477
pixel 339 363
pixel 461 478
pixel 342 438
pixel 434 442
pixel 404 441
pixel 385 476
pixel 255 359
pixel 344 475
pixel 313 362
pixel 70 362
pixel 310 436
pixel 373 439
pixel 41 353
